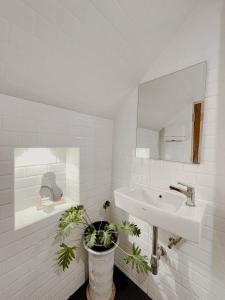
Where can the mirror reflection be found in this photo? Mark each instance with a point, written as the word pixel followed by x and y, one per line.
pixel 170 113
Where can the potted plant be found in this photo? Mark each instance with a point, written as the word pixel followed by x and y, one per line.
pixel 100 239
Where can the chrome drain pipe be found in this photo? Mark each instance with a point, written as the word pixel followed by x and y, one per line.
pixel 154 259
pixel 157 251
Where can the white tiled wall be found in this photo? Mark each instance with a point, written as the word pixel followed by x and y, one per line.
pixel 27 256
pixel 32 163
pixel 192 271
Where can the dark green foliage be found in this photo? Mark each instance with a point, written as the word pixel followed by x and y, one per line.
pixel 101 237
pixel 131 228
pixel 65 255
pixel 106 205
pixel 105 236
pixel 138 261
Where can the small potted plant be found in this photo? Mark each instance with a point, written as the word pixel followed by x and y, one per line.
pixel 100 239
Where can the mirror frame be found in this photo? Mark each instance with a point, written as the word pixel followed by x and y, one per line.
pixel 197 124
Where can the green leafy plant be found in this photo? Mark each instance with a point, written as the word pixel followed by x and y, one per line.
pixel 106 205
pixel 137 260
pixel 131 228
pixel 90 237
pixel 104 236
pixel 66 255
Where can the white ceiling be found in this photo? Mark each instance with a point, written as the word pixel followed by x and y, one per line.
pixel 83 55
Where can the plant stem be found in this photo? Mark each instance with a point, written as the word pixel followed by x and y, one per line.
pixel 122 249
pixel 83 223
pixel 100 226
pixel 85 220
pixel 89 219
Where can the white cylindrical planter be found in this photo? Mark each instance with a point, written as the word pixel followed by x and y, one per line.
pixel 101 266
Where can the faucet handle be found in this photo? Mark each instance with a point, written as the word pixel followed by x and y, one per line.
pixel 186 185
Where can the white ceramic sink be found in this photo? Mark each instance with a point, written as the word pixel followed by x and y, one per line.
pixel 167 210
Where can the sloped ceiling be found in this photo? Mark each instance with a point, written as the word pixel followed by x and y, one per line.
pixel 83 55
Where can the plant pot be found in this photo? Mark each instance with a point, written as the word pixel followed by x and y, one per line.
pixel 101 264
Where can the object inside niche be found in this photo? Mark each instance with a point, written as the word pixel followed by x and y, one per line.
pixel 50 192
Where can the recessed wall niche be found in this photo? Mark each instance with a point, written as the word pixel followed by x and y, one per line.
pixel 46 182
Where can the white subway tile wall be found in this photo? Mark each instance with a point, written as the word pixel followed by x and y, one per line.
pixel 191 271
pixel 32 163
pixel 27 256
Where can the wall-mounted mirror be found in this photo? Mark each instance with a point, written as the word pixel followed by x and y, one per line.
pixel 170 113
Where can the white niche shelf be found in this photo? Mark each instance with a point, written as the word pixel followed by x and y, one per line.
pixel 41 174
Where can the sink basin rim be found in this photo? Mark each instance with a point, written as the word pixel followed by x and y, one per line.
pixel 186 221
pixel 151 206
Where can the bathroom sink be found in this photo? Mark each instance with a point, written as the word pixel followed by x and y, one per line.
pixel 166 210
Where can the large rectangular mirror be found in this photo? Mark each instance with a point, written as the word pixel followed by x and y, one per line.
pixel 170 113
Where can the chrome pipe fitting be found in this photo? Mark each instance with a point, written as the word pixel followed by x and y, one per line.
pixel 173 241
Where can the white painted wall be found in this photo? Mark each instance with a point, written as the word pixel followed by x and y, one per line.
pixel 192 271
pixel 27 256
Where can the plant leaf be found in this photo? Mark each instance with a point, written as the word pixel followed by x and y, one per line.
pixel 131 228
pixel 138 261
pixel 90 237
pixel 106 205
pixel 105 238
pixel 111 227
pixel 65 255
pixel 68 219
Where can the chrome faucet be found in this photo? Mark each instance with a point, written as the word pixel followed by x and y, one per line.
pixel 189 192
